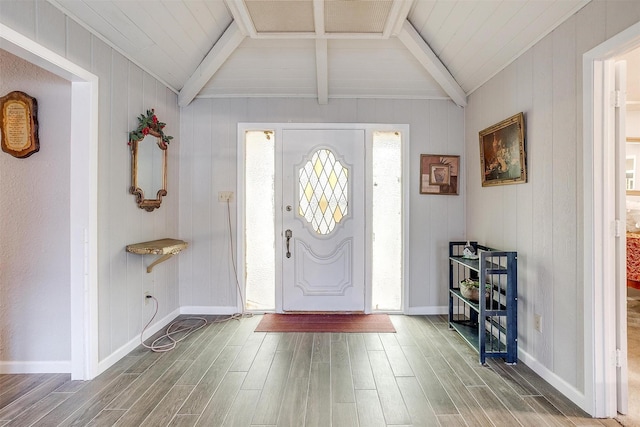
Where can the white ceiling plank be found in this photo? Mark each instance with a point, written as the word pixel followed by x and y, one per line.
pixel 451 25
pixel 387 93
pixel 470 56
pixel 420 11
pixel 500 37
pixel 311 36
pixel 355 59
pixel 260 68
pixel 355 71
pixel 154 26
pixel 322 71
pixel 218 54
pixel 287 45
pixel 245 90
pixel 167 15
pixel 423 53
pixel 267 66
pixel 121 22
pixel 98 24
pixel 468 29
pixel 257 56
pixel 201 15
pixel 523 38
pixel 219 11
pixel 183 18
pixel 436 18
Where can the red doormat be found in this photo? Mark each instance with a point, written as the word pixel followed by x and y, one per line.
pixel 325 323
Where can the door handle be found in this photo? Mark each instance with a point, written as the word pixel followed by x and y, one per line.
pixel 288 235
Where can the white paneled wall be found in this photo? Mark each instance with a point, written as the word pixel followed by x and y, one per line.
pixel 208 165
pixel 542 219
pixel 125 92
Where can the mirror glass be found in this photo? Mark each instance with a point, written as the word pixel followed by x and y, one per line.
pixel 632 166
pixel 149 166
pixel 149 171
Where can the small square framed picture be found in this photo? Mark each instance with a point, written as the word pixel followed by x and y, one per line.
pixel 439 174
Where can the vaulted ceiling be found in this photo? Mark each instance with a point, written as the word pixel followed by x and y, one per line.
pixel 321 48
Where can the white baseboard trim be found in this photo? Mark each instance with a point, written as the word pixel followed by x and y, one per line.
pixel 110 360
pixel 569 391
pixel 220 310
pixel 426 311
pixel 37 367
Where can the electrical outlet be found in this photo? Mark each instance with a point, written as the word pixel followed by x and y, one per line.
pixel 537 322
pixel 147 297
pixel 225 196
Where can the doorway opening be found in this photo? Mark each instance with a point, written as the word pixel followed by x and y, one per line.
pixel 83 204
pixel 628 66
pixel 260 156
pixel 605 184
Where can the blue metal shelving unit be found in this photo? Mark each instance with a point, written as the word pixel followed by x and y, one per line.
pixel 489 325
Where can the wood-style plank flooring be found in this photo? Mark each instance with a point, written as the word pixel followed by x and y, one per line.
pixel 227 375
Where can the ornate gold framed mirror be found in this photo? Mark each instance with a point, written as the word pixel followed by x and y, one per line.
pixel 149 161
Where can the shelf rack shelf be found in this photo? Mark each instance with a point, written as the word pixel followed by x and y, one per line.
pixel 166 248
pixel 489 325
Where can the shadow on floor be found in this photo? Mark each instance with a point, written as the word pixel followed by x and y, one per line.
pixel 632 419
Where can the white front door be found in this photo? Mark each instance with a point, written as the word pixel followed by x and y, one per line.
pixel 323 202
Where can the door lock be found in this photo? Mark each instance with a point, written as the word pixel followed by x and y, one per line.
pixel 288 235
pixel 288 208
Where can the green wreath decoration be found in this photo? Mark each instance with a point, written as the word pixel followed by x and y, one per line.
pixel 150 125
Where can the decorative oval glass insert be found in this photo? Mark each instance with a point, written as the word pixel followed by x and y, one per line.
pixel 323 191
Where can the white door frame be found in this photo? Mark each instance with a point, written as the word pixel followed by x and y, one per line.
pixel 599 216
pixel 619 69
pixel 369 128
pixel 83 197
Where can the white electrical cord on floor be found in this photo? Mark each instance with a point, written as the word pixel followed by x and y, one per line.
pixel 170 331
pixel 202 322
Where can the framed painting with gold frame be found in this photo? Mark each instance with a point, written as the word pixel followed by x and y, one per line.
pixel 502 155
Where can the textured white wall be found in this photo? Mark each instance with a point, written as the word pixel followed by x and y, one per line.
pixel 633 124
pixel 208 158
pixel 125 92
pixel 542 219
pixel 34 224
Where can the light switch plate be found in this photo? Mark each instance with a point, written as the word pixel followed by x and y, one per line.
pixel 225 196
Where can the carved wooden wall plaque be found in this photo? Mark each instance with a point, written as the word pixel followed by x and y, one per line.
pixel 19 124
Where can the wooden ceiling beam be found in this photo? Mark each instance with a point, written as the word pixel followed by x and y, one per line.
pixel 430 61
pixel 219 53
pixel 318 17
pixel 397 17
pixel 322 71
pixel 241 16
